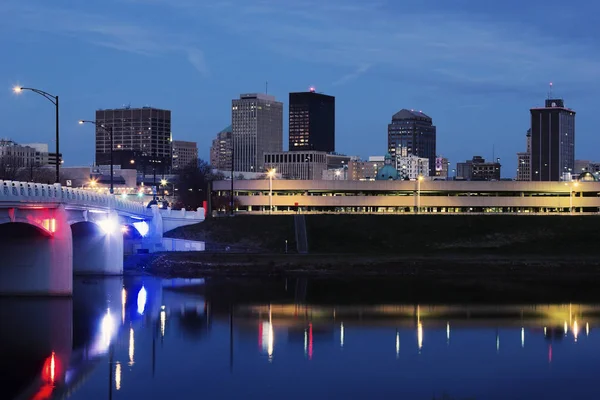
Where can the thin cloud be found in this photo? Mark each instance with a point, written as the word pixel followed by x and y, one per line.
pixel 106 32
pixel 353 75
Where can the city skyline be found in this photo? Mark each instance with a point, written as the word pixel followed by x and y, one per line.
pixel 475 63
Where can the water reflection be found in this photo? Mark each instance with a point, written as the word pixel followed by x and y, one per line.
pixel 181 345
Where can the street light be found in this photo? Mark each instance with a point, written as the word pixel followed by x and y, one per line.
pixel 419 179
pixel 108 130
pixel 271 174
pixel 54 100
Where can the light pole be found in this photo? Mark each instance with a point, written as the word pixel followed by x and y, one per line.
pixel 271 173
pixel 571 192
pixel 419 179
pixel 54 100
pixel 108 130
pixel 163 184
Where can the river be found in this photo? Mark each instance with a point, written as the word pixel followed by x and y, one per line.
pixel 147 338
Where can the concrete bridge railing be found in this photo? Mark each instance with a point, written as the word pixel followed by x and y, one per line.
pixel 28 192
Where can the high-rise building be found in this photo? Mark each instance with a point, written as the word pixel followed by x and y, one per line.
pixel 524 161
pixel 142 138
pixel 552 141
pixel 312 122
pixel 412 133
pixel 220 151
pixel 184 154
pixel 257 128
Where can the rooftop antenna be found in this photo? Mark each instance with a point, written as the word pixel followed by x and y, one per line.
pixel 550 91
pixel 493 152
pixel 267 87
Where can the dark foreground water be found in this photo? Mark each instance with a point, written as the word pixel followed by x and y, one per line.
pixel 140 339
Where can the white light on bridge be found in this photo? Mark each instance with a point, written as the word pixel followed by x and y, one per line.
pixel 108 225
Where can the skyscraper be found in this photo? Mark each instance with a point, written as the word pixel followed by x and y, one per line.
pixel 312 122
pixel 220 151
pixel 552 141
pixel 142 138
pixel 257 128
pixel 412 133
pixel 524 161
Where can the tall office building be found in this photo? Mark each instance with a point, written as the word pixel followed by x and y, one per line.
pixel 257 128
pixel 524 161
pixel 412 133
pixel 312 122
pixel 220 151
pixel 184 154
pixel 552 141
pixel 142 139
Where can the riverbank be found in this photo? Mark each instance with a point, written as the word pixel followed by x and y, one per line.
pixel 403 234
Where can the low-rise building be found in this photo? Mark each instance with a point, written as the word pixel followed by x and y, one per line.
pixel 304 165
pixel 361 170
pixel 184 154
pixel 411 167
pixel 390 196
pixel 478 169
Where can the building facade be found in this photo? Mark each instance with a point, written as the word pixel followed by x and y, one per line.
pixel 413 133
pixel 411 167
pixel 13 155
pixel 257 129
pixel 441 167
pixel 438 197
pixel 141 138
pixel 552 141
pixel 524 160
pixel 365 170
pixel 303 165
pixel 312 122
pixel 184 154
pixel 220 151
pixel 478 169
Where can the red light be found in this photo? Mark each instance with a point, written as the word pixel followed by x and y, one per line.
pixel 260 335
pixel 50 368
pixel 310 341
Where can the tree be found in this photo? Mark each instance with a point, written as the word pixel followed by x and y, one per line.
pixel 9 167
pixel 192 184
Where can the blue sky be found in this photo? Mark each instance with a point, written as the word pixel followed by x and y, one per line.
pixel 475 67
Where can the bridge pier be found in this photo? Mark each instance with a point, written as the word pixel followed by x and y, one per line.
pixel 37 253
pixel 98 246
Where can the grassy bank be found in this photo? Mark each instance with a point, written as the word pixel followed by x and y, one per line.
pixel 406 234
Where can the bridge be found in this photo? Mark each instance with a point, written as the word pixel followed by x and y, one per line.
pixel 49 232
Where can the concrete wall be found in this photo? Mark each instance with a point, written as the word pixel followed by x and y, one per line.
pixel 36 261
pixel 96 251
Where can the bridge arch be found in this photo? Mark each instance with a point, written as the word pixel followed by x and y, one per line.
pixel 36 257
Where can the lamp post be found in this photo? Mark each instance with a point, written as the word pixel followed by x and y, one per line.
pixel 271 174
pixel 571 192
pixel 419 179
pixel 108 130
pixel 54 100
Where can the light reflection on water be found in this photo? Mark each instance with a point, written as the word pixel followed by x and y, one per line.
pixel 183 345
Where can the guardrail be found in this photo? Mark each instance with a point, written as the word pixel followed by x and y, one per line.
pixel 29 192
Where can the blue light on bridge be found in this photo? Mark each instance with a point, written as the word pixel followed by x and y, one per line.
pixel 142 227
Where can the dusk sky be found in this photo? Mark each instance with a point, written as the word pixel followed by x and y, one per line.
pixel 475 67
